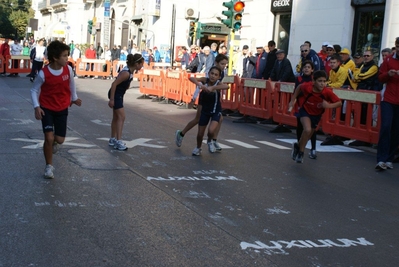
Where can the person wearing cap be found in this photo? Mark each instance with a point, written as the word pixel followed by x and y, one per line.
pixel 388 141
pixel 330 51
pixel 348 64
pixel 323 52
pixel 358 59
pixel 260 62
pixel 271 59
pixel 282 69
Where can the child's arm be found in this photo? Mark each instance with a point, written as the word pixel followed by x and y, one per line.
pixel 198 81
pixel 331 105
pixel 75 100
pixel 219 86
pixel 335 102
pixel 294 97
pixel 35 92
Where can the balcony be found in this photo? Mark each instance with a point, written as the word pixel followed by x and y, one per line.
pixel 58 5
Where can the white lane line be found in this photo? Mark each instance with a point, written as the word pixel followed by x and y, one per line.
pixel 320 148
pixel 273 145
pixel 239 143
pixel 221 145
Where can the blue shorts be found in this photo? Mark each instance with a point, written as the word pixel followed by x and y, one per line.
pixel 314 119
pixel 206 117
pixel 118 98
pixel 55 121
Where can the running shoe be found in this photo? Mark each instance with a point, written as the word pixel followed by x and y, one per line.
pixel 211 147
pixel 312 154
pixel 197 151
pixel 295 150
pixel 112 141
pixel 119 145
pixel 48 172
pixel 299 157
pixel 178 138
pixel 381 166
pixel 389 165
pixel 217 146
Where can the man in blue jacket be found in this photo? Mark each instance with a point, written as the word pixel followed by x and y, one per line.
pixel 309 54
pixel 260 62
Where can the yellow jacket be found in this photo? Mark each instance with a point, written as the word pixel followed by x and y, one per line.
pixel 350 65
pixel 338 78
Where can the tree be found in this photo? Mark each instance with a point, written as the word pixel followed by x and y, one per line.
pixel 14 17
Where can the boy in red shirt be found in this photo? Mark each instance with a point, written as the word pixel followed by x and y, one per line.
pixel 52 93
pixel 317 98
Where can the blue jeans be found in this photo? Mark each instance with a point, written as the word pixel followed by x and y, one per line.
pixel 389 132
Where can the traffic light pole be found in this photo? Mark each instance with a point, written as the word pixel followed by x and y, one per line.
pixel 231 51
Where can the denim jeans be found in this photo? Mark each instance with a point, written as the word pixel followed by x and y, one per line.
pixel 389 132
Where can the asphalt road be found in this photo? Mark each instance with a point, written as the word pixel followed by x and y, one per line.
pixel 157 205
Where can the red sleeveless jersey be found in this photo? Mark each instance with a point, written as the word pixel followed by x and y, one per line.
pixel 55 93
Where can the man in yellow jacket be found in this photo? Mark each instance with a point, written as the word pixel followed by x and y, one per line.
pixel 338 74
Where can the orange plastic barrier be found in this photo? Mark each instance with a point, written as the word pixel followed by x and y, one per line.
pixel 256 98
pixel 152 82
pixel 2 61
pixel 172 85
pixel 231 98
pixel 117 66
pixel 95 67
pixel 282 96
pixel 352 128
pixel 187 87
pixel 21 68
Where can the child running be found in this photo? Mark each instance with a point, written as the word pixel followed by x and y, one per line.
pixel 52 93
pixel 211 107
pixel 220 62
pixel 316 98
pixel 115 94
pixel 305 77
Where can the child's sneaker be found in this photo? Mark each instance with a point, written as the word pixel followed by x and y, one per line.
pixel 119 145
pixel 295 150
pixel 196 151
pixel 389 165
pixel 56 147
pixel 299 157
pixel 217 146
pixel 381 166
pixel 312 154
pixel 48 172
pixel 211 147
pixel 112 141
pixel 178 138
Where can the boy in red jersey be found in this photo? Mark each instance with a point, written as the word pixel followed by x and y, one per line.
pixel 52 93
pixel 316 98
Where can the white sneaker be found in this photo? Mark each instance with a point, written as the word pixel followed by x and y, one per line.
pixel 312 154
pixel 197 151
pixel 389 165
pixel 178 138
pixel 217 146
pixel 112 141
pixel 48 172
pixel 211 147
pixel 119 145
pixel 56 147
pixel 381 166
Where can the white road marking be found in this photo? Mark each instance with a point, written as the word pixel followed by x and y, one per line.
pixel 239 143
pixel 273 145
pixel 320 148
pixel 137 142
pixel 100 123
pixel 221 145
pixel 39 143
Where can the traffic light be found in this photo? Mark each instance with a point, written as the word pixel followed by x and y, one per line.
pixel 90 26
pixel 198 33
pixel 238 9
pixel 228 13
pixel 192 30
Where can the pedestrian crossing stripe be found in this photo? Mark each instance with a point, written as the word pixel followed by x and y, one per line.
pixel 320 148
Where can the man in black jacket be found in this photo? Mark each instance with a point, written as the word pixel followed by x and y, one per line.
pixel 271 59
pixel 282 69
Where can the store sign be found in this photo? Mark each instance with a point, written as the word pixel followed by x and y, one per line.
pixel 281 5
pixel 216 28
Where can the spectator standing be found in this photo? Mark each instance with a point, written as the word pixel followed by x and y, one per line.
pixel 248 62
pixel 271 59
pixel 260 63
pixel 330 51
pixel 282 69
pixel 71 47
pixel 214 47
pixel 37 56
pixel 206 59
pixel 323 52
pixel 157 55
pixel 389 132
pixel 76 53
pixel 185 58
pixel 358 59
pixel 26 52
pixel 16 50
pixel 309 54
pixel 107 57
pixel 99 50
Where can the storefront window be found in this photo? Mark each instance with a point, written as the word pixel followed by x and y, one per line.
pixel 368 29
pixel 282 30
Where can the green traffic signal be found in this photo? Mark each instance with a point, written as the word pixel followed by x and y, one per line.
pixel 228 13
pixel 199 34
pixel 90 26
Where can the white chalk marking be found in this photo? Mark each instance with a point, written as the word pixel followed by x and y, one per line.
pixel 101 123
pixel 137 142
pixel 320 148
pixel 273 145
pixel 239 143
pixel 39 143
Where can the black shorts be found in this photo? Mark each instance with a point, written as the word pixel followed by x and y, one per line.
pixel 118 98
pixel 206 117
pixel 314 119
pixel 55 121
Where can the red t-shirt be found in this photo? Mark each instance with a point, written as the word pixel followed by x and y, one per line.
pixel 313 100
pixel 91 53
pixel 55 93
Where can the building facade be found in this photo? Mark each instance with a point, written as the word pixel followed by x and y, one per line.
pixel 354 24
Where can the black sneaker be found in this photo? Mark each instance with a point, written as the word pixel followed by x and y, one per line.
pixel 299 157
pixel 31 79
pixel 295 150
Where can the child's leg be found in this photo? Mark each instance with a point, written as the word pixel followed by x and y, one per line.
pixel 299 128
pixel 306 134
pixel 200 135
pixel 48 147
pixel 313 140
pixel 217 130
pixel 118 120
pixel 193 122
pixel 212 130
